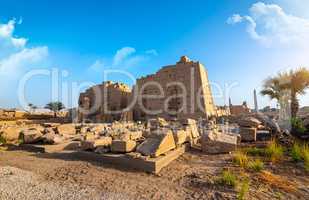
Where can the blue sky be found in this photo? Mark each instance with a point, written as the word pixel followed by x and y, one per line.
pixel 240 42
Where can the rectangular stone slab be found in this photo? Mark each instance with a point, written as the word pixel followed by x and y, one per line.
pixel 152 165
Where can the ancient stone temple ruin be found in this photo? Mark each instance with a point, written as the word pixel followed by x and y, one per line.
pixel 105 103
pixel 183 90
pixel 174 92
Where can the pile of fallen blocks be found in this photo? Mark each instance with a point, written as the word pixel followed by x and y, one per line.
pixel 148 148
pixel 156 139
pixel 248 129
pixel 216 141
pixel 257 127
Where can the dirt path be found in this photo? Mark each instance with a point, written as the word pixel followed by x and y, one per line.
pixel 192 176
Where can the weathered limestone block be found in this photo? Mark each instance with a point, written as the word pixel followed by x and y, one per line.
pixel 247 134
pixel 188 121
pixel 136 135
pixel 249 122
pixel 37 127
pixel 49 138
pixel 237 135
pixel 131 135
pixel 160 142
pixel 66 129
pixel 48 130
pixel 193 130
pixel 10 134
pixel 268 122
pixel 125 136
pixel 90 136
pixel 91 145
pixel 263 135
pixel 181 136
pixel 215 142
pixel 30 136
pixel 84 129
pixel 157 122
pixel 121 146
pixel 98 128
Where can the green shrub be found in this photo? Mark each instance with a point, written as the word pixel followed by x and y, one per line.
pixel 227 178
pixel 296 152
pixel 274 151
pixel 298 125
pixel 256 165
pixel 244 188
pixel 305 155
pixel 241 159
pixel 254 151
pixel 2 140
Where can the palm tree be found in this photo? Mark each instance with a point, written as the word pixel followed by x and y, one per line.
pixel 296 82
pixel 274 87
pixel 55 107
pixel 299 82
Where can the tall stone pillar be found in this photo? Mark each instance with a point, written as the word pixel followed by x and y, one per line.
pixel 255 102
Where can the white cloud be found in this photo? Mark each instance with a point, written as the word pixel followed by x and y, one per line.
pixel 7 38
pixel 97 66
pixel 270 25
pixel 23 58
pixel 152 52
pixel 14 55
pixel 123 58
pixel 236 18
pixel 122 54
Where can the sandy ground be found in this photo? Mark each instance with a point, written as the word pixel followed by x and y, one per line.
pixel 28 175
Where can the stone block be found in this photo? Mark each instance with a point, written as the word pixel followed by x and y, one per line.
pixel 125 136
pixel 193 130
pixel 157 122
pixel 91 145
pixel 84 129
pixel 249 122
pixel 215 143
pixel 121 146
pixel 90 136
pixel 10 134
pixel 30 136
pixel 248 134
pixel 66 129
pixel 48 138
pixel 136 135
pixel 263 135
pixel 188 121
pixel 159 142
pixel 181 136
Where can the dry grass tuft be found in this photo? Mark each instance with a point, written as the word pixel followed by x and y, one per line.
pixel 244 188
pixel 305 155
pixel 240 158
pixel 227 178
pixel 277 181
pixel 256 165
pixel 274 151
pixel 296 152
pixel 254 151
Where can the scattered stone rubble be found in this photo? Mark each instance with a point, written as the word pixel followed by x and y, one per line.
pixel 150 142
pixel 257 127
pixel 216 142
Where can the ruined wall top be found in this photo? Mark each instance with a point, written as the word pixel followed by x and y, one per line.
pixel 184 59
